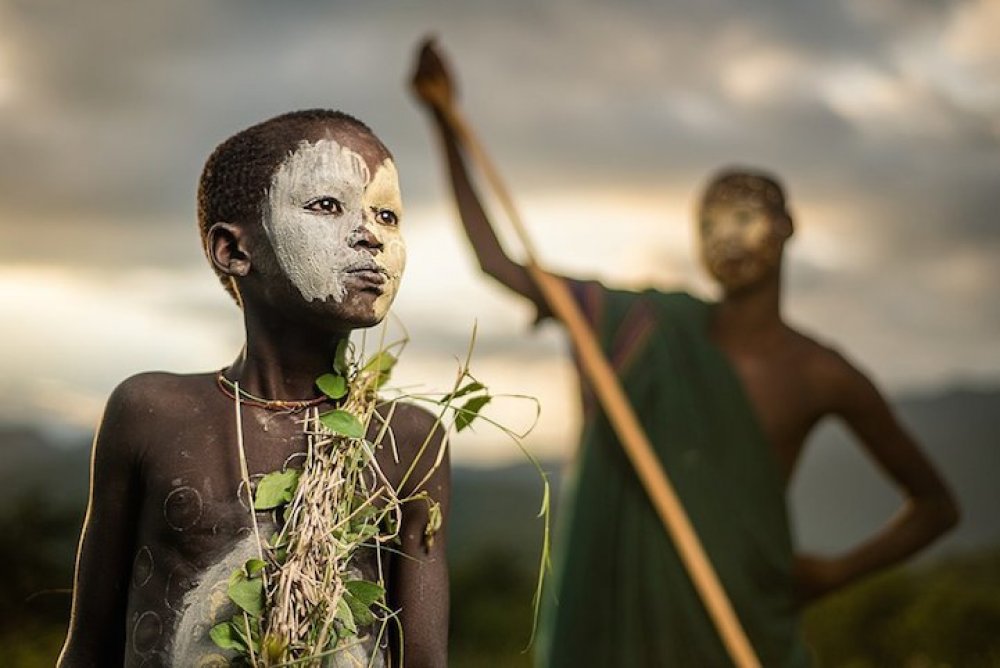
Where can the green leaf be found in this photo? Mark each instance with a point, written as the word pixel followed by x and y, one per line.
pixel 248 635
pixel 227 637
pixel 253 567
pixel 366 531
pixel 381 365
pixel 274 648
pixel 360 596
pixel 469 388
pixel 470 411
pixel 365 592
pixel 362 613
pixel 366 512
pixel 381 362
pixel 276 488
pixel 332 386
pixel 343 423
pixel 340 357
pixel 247 593
pixel 346 616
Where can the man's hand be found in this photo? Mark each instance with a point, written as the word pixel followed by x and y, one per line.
pixel 814 577
pixel 432 82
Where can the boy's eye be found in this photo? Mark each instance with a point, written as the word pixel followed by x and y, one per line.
pixel 330 205
pixel 386 217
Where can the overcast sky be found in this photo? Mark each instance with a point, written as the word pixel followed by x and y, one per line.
pixel 882 118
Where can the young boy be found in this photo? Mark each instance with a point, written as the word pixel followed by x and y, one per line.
pixel 300 218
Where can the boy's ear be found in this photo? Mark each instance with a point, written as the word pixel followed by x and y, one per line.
pixel 227 246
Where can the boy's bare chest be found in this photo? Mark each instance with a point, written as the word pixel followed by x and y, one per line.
pixel 193 480
pixel 196 525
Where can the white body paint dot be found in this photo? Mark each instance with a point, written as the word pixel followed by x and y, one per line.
pixel 182 508
pixel 142 567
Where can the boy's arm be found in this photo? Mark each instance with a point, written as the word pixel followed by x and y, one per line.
pixel 927 512
pixel 103 569
pixel 434 87
pixel 418 581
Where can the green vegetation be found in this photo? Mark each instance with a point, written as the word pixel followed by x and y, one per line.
pixel 490 611
pixel 945 613
pixel 300 599
pixel 37 542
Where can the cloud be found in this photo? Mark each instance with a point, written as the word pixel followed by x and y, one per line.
pixel 605 118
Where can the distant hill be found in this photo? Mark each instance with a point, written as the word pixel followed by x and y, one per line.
pixel 837 497
pixel 36 461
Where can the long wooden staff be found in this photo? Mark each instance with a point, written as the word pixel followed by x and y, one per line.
pixel 612 398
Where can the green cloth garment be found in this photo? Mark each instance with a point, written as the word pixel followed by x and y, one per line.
pixel 623 596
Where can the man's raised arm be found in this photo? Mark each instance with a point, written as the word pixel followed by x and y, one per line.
pixel 434 88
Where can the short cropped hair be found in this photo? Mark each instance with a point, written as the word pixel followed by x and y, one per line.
pixel 234 183
pixel 734 184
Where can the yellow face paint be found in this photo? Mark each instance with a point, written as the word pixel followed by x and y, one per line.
pixel 382 199
pixel 741 241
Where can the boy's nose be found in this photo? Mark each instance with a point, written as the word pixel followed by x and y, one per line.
pixel 363 237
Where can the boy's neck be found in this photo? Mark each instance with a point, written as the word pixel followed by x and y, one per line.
pixel 282 359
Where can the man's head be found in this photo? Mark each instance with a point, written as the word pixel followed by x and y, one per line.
pixel 301 213
pixel 743 225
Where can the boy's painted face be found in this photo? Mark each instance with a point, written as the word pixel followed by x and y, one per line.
pixel 334 227
pixel 741 241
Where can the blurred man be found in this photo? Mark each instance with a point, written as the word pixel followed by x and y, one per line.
pixel 727 393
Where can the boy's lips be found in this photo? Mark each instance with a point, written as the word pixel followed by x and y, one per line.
pixel 371 274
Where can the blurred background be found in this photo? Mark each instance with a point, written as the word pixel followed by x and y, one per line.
pixel 882 119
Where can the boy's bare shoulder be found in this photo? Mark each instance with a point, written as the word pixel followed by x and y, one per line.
pixel 411 419
pixel 155 389
pixel 418 439
pixel 413 426
pixel 140 400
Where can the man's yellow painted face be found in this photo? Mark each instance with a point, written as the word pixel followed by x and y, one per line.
pixel 741 241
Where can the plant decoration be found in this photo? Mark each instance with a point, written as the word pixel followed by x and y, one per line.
pixel 300 600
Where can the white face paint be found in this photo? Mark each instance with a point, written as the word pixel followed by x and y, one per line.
pixel 741 242
pixel 334 227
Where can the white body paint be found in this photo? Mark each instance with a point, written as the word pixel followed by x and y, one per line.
pixel 208 604
pixel 316 250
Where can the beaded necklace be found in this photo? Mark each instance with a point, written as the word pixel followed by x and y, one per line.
pixel 231 390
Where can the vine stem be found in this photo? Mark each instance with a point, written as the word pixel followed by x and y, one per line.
pixel 245 471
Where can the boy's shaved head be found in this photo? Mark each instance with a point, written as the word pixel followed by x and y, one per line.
pixel 234 183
